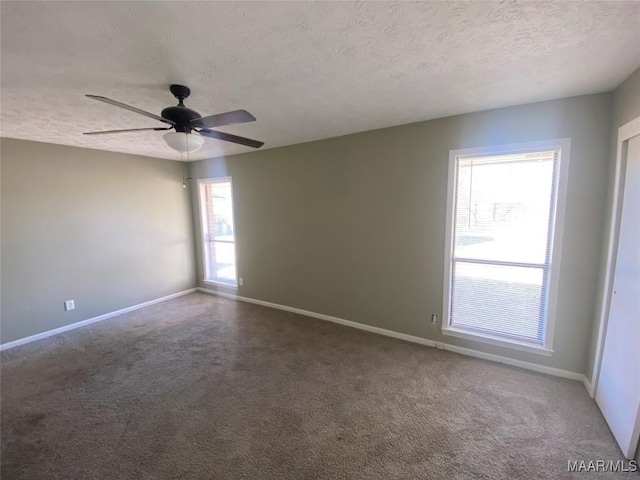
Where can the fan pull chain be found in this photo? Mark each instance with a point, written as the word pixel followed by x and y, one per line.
pixel 184 181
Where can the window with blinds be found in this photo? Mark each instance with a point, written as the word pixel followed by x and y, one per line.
pixel 501 238
pixel 218 233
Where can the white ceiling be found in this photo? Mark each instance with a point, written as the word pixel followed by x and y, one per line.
pixel 306 70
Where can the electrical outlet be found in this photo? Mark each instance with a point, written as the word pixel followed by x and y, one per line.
pixel 69 305
pixel 241 281
pixel 434 319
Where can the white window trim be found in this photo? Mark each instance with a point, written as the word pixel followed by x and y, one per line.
pixel 564 147
pixel 203 224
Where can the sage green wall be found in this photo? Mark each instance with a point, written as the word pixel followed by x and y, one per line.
pixel 626 101
pixel 626 107
pixel 108 230
pixel 353 226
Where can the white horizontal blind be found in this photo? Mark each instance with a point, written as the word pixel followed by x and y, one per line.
pixel 218 231
pixel 503 228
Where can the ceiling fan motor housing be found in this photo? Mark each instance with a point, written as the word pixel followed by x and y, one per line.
pixel 181 115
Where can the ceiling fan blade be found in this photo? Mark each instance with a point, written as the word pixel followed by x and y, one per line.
pixel 105 132
pixel 220 119
pixel 130 108
pixel 227 137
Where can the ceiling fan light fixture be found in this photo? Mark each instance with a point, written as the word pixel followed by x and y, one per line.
pixel 184 142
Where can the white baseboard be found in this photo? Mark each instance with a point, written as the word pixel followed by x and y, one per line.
pixel 410 338
pixel 557 372
pixel 89 321
pixel 589 386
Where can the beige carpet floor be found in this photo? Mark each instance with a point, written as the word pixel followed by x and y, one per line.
pixel 202 387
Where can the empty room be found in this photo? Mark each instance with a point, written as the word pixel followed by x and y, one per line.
pixel 320 240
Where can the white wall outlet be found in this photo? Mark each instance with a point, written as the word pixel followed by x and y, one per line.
pixel 434 319
pixel 241 281
pixel 69 305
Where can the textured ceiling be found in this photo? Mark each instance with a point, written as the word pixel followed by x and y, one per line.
pixel 306 70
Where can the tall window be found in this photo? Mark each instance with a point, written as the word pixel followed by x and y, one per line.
pixel 503 237
pixel 216 208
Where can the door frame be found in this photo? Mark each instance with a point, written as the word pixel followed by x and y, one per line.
pixel 625 133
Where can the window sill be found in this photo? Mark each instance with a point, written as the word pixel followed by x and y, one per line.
pixel 216 283
pixel 499 341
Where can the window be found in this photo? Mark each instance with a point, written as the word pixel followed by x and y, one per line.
pixel 218 233
pixel 504 221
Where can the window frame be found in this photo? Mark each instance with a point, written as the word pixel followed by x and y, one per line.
pixel 563 147
pixel 206 261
